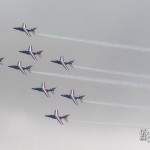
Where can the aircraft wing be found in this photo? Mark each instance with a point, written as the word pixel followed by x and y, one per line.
pixel 14 67
pixel 32 30
pixel 69 62
pixel 52 90
pixel 18 68
pixel 50 116
pixel 60 63
pixel 38 89
pixel 18 28
pixel 25 52
pixel 66 96
pixel 38 52
pixel 65 117
pixel 57 61
pixel 80 97
pixel 70 97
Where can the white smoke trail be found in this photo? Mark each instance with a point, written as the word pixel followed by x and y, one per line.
pixel 126 125
pixel 118 105
pixel 100 43
pixel 113 72
pixel 102 81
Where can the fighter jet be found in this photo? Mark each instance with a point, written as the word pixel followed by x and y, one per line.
pixel 20 67
pixel 31 53
pixel 1 59
pixel 26 30
pixel 64 63
pixel 73 97
pixel 44 89
pixel 58 117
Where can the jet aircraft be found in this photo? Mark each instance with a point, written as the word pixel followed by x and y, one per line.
pixel 26 30
pixel 20 67
pixel 31 52
pixel 73 97
pixel 44 89
pixel 64 63
pixel 58 117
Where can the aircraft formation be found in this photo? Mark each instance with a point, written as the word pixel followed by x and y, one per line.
pixel 43 88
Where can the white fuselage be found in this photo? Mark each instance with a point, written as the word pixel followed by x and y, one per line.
pixel 31 52
pixel 20 67
pixel 58 117
pixel 44 89
pixel 63 63
pixel 25 29
pixel 73 96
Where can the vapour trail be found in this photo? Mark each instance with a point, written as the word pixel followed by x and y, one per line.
pixel 96 80
pixel 108 123
pixel 127 74
pixel 117 105
pixel 92 42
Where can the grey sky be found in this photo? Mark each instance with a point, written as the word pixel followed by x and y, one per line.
pixel 23 125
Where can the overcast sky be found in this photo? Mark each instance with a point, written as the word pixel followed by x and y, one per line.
pixel 91 126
